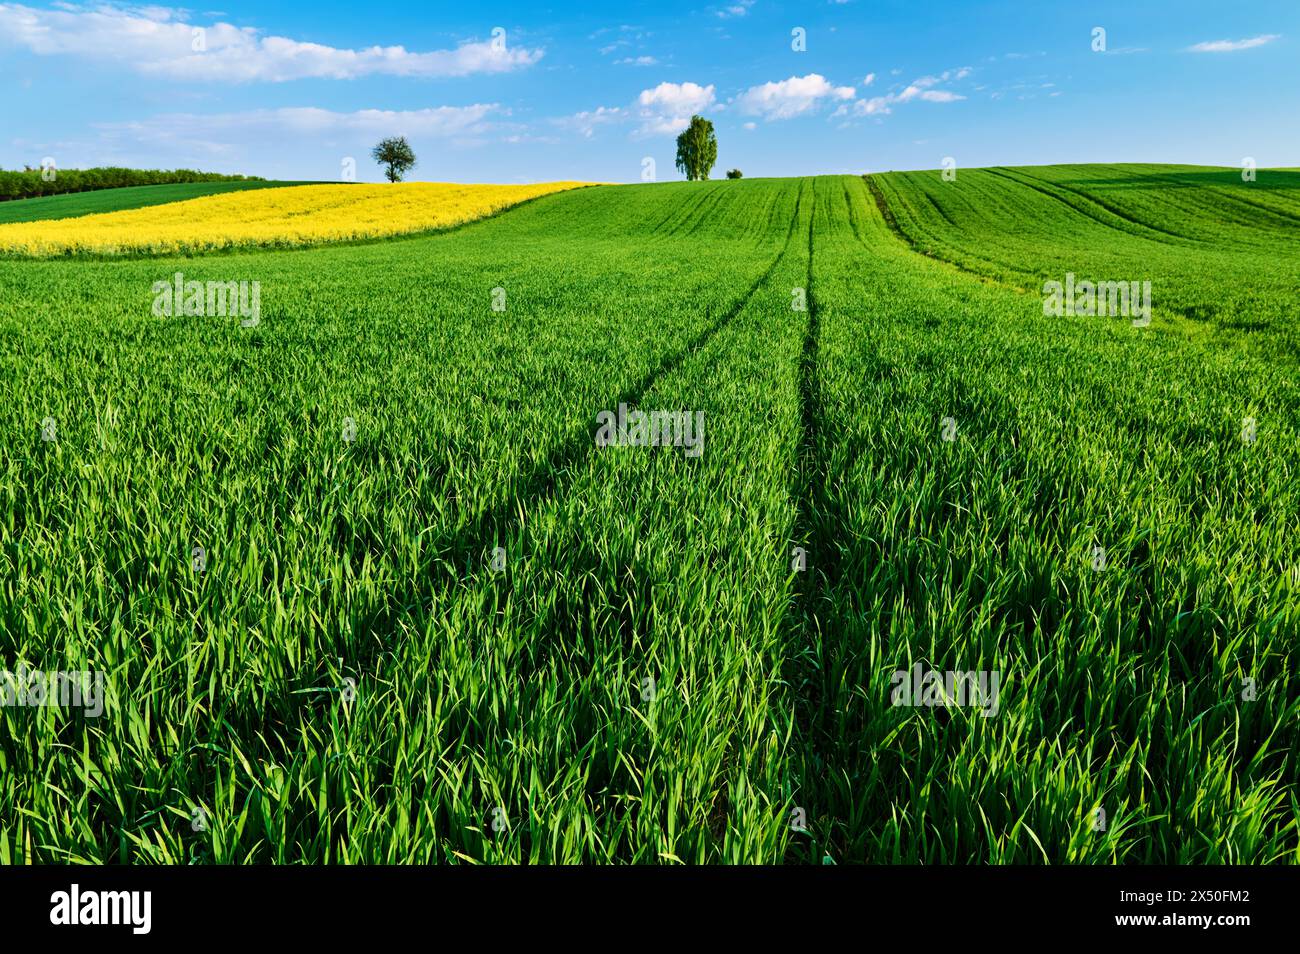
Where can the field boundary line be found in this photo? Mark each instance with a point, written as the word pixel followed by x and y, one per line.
pixel 435 232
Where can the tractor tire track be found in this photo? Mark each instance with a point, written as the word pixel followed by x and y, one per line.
pixel 465 549
pixel 553 473
pixel 814 517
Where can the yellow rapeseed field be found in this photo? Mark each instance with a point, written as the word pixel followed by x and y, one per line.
pixel 286 218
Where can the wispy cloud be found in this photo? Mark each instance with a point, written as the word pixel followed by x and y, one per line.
pixel 437 122
pixel 586 122
pixel 1232 46
pixel 921 89
pixel 931 95
pixel 160 41
pixel 322 137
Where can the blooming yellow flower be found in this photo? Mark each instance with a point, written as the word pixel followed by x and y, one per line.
pixel 286 217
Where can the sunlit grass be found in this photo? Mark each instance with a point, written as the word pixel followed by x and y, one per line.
pixel 646 677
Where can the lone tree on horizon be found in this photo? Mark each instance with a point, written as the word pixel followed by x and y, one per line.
pixel 395 153
pixel 697 149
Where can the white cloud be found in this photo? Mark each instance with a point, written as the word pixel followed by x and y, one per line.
pixel 866 107
pixel 751 126
pixel 921 89
pixel 664 110
pixel 637 61
pixel 667 109
pixel 927 81
pixel 1232 46
pixel 868 79
pixel 159 41
pixel 586 122
pixel 790 97
pixel 737 9
pixel 940 96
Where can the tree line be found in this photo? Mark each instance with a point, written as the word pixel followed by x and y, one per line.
pixel 30 183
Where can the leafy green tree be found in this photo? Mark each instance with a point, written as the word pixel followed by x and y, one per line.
pixel 395 153
pixel 697 149
pixel 735 174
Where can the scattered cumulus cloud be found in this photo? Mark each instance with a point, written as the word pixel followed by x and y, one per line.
pixel 790 97
pixel 666 109
pixel 738 9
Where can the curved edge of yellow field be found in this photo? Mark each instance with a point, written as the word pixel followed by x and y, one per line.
pixel 288 217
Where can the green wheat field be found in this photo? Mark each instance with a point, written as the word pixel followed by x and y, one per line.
pixel 434 621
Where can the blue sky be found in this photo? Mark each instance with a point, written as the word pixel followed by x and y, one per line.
pixel 519 92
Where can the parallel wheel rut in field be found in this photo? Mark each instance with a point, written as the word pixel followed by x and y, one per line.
pixel 554 472
pixel 811 533
pixel 466 551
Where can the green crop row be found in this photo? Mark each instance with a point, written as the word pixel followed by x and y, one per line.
pixel 1155 684
pixel 434 619
pixel 1220 253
